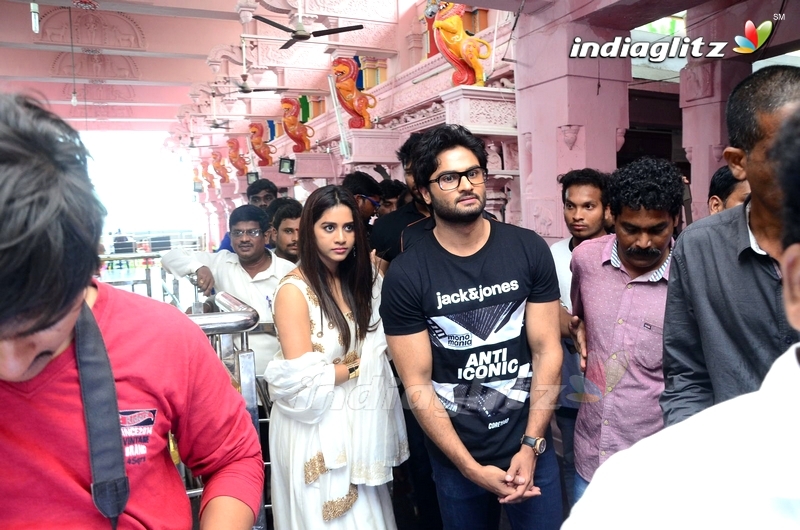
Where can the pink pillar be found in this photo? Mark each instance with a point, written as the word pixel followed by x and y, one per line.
pixel 210 202
pixel 705 88
pixel 572 114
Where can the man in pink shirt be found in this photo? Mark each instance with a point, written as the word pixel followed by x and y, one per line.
pixel 619 290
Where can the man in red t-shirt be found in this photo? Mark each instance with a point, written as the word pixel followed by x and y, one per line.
pixel 166 375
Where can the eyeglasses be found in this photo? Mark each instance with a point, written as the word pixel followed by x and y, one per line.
pixel 452 179
pixel 375 203
pixel 253 232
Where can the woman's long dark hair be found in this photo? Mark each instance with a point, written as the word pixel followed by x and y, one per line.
pixel 355 272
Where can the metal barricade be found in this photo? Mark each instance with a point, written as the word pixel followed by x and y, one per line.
pixel 146 257
pixel 236 318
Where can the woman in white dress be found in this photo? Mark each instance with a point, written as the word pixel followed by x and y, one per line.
pixel 336 427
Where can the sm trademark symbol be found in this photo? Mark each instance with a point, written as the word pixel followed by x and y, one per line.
pixel 779 16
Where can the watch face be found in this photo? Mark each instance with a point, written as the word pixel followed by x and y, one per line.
pixel 541 445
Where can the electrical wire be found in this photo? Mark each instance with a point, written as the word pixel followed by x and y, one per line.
pixel 72 52
pixel 511 33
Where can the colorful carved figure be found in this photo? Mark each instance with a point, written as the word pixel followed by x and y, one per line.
pixel 237 160
pixel 460 50
pixel 297 131
pixel 355 102
pixel 209 178
pixel 219 167
pixel 262 149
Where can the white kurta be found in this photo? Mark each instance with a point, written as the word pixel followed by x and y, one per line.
pixel 331 460
pixel 229 276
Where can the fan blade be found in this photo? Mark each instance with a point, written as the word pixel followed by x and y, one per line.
pixel 288 44
pixel 332 31
pixel 264 89
pixel 273 24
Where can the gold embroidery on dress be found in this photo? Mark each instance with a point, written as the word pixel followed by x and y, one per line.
pixel 317 347
pixel 314 468
pixel 288 277
pixel 311 296
pixel 337 508
pixel 350 357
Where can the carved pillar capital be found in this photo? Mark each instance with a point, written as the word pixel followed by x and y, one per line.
pixel 570 134
pixel 246 8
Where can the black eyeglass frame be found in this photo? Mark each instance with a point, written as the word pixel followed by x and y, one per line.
pixel 461 175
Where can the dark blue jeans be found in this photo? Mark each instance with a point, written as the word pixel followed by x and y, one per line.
pixel 565 419
pixel 465 505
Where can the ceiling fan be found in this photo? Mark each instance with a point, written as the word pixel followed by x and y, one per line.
pixel 216 123
pixel 300 34
pixel 244 88
pixel 192 145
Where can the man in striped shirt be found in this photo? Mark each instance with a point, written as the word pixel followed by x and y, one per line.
pixel 619 290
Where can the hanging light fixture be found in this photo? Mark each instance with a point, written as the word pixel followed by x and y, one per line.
pixel 35 17
pixel 74 100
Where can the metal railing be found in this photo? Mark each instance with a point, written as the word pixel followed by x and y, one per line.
pixel 235 318
pixel 148 258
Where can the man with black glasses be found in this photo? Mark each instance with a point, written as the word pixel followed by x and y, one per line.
pixel 471 316
pixel 251 273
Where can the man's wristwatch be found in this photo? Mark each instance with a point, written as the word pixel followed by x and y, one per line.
pixel 537 444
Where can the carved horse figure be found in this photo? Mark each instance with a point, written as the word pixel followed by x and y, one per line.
pixel 459 49
pixel 355 102
pixel 219 167
pixel 262 149
pixel 295 129
pixel 237 160
pixel 209 178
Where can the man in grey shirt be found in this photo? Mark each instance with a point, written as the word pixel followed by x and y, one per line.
pixel 725 323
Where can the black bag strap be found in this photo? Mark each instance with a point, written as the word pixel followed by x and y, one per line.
pixel 110 488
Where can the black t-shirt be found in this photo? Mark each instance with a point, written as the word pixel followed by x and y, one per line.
pixel 386 232
pixel 474 311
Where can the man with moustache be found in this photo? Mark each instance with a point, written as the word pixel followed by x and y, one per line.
pixel 619 289
pixel 725 323
pixel 584 193
pixel 696 474
pixel 471 316
pixel 251 274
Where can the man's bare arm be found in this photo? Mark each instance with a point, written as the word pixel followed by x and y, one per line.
pixel 226 513
pixel 544 340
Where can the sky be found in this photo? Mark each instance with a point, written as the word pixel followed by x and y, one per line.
pixel 143 186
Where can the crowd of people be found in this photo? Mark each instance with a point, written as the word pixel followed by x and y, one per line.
pixel 435 340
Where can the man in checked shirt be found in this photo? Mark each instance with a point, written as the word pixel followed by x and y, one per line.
pixel 619 290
